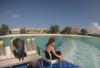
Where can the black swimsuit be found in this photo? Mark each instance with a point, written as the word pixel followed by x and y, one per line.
pixel 52 55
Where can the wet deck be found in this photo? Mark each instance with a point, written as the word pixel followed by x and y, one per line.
pixel 15 61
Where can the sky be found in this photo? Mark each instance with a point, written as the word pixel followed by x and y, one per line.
pixel 44 13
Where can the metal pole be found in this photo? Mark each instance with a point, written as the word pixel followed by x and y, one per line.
pixel 10 66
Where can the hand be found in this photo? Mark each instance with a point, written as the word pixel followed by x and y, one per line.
pixel 61 58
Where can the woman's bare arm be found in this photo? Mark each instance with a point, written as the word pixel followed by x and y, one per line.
pixel 54 52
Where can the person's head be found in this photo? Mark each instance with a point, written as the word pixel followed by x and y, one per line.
pixel 51 40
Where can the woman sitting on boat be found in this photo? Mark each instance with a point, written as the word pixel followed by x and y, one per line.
pixel 51 50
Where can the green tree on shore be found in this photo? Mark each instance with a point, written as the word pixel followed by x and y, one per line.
pixel 54 29
pixel 83 32
pixel 4 29
pixel 22 31
pixel 66 30
pixel 70 30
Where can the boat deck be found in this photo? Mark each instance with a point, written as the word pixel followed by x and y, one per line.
pixel 15 61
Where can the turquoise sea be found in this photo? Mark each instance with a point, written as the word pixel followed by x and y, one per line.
pixel 83 51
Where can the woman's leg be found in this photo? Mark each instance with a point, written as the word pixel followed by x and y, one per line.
pixel 58 52
pixel 54 57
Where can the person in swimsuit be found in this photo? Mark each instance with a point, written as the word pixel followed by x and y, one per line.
pixel 50 49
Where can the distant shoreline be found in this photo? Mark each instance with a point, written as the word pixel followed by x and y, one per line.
pixel 70 35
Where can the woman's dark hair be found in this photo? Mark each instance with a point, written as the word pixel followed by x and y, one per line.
pixel 51 40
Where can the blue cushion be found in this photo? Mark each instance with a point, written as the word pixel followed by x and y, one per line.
pixel 65 64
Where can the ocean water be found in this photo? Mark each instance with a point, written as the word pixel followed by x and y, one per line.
pixel 83 51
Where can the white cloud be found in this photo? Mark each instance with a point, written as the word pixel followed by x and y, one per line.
pixel 94 28
pixel 15 16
